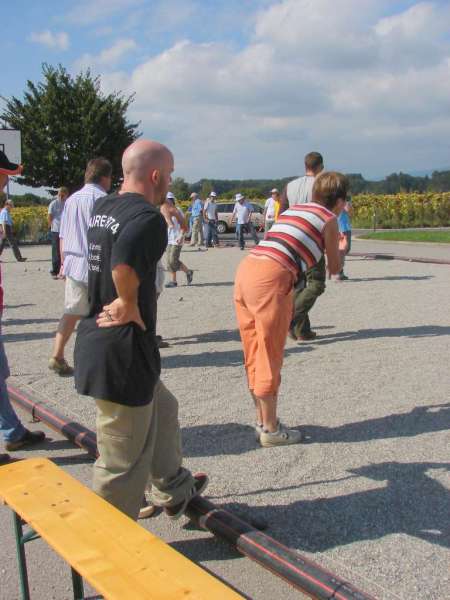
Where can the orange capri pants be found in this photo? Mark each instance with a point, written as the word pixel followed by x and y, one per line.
pixel 263 298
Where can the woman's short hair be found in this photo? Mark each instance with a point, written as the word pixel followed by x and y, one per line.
pixel 329 187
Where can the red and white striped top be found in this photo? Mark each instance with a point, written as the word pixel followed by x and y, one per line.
pixel 296 239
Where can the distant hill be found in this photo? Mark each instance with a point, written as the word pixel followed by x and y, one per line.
pixel 437 181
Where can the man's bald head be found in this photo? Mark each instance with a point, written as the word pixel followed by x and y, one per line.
pixel 147 164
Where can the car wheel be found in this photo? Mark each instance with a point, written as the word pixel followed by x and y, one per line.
pixel 221 227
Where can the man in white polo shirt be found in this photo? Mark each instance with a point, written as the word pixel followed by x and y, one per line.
pixel 210 218
pixel 73 235
pixel 270 209
pixel 242 214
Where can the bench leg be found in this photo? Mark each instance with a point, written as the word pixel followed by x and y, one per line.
pixel 77 585
pixel 23 574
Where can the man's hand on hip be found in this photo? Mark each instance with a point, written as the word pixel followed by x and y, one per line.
pixel 120 312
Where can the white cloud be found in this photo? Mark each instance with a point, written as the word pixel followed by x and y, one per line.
pixel 108 58
pixel 371 91
pixel 57 41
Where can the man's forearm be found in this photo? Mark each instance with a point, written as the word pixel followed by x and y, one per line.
pixel 126 282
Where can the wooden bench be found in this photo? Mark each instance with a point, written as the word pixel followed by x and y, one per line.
pixel 119 558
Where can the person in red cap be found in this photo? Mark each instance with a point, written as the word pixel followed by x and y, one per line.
pixel 7 168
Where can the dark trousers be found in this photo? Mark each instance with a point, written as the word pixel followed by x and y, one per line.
pixel 9 237
pixel 305 298
pixel 249 228
pixel 56 254
pixel 212 237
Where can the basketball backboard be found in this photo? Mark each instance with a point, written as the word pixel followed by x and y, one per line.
pixel 11 145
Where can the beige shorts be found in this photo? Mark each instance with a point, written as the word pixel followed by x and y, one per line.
pixel 76 298
pixel 173 258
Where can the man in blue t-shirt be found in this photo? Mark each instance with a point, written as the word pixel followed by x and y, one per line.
pixel 345 228
pixel 197 221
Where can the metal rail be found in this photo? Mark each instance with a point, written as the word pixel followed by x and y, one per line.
pixel 297 570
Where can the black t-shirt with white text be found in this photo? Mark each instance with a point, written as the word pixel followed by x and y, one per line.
pixel 121 363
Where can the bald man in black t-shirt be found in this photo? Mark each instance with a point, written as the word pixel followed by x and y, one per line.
pixel 116 353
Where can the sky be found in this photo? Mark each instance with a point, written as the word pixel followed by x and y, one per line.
pixel 244 88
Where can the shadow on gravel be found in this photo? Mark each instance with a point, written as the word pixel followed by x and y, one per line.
pixel 28 337
pixel 367 334
pixel 409 501
pixel 77 459
pixel 421 419
pixel 213 284
pixel 220 335
pixel 18 305
pixel 28 321
pixel 229 358
pixel 202 549
pixel 391 278
pixel 218 440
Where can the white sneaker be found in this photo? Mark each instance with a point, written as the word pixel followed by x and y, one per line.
pixel 281 437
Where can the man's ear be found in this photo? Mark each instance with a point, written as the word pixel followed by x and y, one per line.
pixel 155 176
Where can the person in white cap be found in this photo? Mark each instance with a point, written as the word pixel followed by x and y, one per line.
pixel 210 218
pixel 271 208
pixel 176 228
pixel 242 214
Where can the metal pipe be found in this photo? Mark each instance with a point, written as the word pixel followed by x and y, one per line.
pixel 40 411
pixel 297 570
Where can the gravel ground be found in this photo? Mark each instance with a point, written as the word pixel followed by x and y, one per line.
pixel 367 496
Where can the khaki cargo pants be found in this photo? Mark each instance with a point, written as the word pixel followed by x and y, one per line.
pixel 140 446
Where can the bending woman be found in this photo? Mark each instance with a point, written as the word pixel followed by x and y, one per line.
pixel 263 294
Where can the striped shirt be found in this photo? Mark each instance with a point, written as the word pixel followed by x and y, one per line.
pixel 74 225
pixel 296 239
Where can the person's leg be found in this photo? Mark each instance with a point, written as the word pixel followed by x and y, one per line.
pixel 170 481
pixel 10 425
pixel 195 231
pixel 202 237
pixel 13 243
pixel 348 235
pixel 2 243
pixel 56 256
pixel 121 469
pixel 76 305
pixel 55 244
pixel 253 233
pixel 171 268
pixel 241 236
pixel 269 297
pixel 214 233
pixel 272 320
pixel 14 434
pixel 246 324
pixel 305 299
pixel 65 328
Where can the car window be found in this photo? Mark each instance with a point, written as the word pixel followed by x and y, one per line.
pixel 225 208
pixel 257 208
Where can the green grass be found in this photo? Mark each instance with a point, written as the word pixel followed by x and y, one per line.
pixel 409 236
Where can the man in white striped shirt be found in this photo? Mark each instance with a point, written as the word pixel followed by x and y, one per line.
pixel 74 255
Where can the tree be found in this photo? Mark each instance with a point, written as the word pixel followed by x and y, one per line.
pixel 66 121
pixel 206 189
pixel 179 188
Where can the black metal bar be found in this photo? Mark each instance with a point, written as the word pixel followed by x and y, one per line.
pixel 21 557
pixel 300 572
pixel 77 585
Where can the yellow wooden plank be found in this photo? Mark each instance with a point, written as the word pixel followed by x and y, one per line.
pixel 118 557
